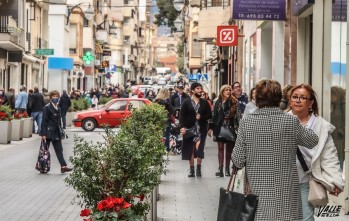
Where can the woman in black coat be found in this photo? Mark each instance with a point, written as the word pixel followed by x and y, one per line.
pixel 225 111
pixel 194 112
pixel 51 128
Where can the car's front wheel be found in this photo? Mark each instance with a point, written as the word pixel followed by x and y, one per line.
pixel 89 124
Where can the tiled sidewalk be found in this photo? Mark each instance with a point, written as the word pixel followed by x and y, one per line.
pixel 196 199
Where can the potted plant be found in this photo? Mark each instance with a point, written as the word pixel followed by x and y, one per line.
pixel 17 127
pixel 71 112
pixel 112 177
pixel 5 124
pixel 27 125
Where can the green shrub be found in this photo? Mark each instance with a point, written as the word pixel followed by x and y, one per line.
pixel 78 105
pixel 126 164
pixel 103 100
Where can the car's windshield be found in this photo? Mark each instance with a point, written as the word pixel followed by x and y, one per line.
pixel 107 104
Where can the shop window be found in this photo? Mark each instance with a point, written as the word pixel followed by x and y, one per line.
pixel 338 75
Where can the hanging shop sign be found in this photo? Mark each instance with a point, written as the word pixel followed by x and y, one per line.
pixel 299 6
pixel 227 35
pixel 339 10
pixel 273 10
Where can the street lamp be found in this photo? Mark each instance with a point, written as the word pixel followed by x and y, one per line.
pixel 88 13
pixel 178 4
pixel 178 24
pixel 113 30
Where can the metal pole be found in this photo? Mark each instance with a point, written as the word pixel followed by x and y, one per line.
pixel 346 165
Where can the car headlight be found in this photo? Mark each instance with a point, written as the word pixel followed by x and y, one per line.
pixel 75 117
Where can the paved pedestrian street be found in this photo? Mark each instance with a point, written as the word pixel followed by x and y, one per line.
pixel 27 195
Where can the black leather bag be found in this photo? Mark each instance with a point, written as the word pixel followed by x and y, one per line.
pixel 62 133
pixel 190 132
pixel 235 206
pixel 226 133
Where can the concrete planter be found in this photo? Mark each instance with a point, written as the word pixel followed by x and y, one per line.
pixel 69 118
pixel 27 127
pixel 5 135
pixel 17 130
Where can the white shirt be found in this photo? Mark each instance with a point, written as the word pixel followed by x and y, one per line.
pixel 307 153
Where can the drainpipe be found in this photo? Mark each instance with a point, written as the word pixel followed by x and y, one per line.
pixel 346 165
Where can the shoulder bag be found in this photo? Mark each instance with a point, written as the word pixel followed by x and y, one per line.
pixel 227 131
pixel 235 206
pixel 317 192
pixel 194 130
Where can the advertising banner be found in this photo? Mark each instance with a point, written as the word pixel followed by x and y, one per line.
pixel 273 10
pixel 299 6
pixel 339 10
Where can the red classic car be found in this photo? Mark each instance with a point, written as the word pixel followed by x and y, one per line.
pixel 111 114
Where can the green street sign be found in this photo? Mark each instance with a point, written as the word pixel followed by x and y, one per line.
pixel 44 51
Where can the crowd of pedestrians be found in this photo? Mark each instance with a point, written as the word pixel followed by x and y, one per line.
pixel 269 133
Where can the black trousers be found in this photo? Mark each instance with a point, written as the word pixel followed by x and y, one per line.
pixel 64 117
pixel 57 145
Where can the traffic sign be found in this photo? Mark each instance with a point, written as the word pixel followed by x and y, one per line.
pixel 44 51
pixel 227 35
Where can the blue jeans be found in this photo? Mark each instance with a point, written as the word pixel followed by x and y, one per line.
pixel 308 209
pixel 37 117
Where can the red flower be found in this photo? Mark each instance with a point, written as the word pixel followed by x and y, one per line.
pixel 127 205
pixel 104 204
pixel 85 212
pixel 141 197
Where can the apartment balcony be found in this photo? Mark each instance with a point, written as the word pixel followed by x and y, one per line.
pixel 12 38
pixel 210 18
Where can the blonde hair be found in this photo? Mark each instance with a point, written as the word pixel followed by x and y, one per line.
pixel 162 94
pixel 223 88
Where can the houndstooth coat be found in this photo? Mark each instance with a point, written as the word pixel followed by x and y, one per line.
pixel 266 145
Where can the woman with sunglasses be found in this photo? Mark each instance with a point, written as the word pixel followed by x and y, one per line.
pixel 322 160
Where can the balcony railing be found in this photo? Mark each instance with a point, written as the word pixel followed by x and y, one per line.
pixel 10 32
pixel 8 25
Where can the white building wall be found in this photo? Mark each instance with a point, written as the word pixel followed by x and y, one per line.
pixel 58 39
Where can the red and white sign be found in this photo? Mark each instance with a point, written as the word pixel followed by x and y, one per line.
pixel 227 35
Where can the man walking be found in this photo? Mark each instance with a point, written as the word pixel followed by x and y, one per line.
pixel 64 103
pixel 242 97
pixel 22 100
pixel 178 98
pixel 37 104
pixel 11 101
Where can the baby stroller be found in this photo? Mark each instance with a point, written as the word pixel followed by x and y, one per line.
pixel 175 138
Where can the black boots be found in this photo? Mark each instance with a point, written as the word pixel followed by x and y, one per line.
pixel 227 171
pixel 220 172
pixel 191 172
pixel 198 170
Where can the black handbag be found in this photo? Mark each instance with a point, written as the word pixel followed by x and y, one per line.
pixel 190 132
pixel 226 133
pixel 62 133
pixel 235 206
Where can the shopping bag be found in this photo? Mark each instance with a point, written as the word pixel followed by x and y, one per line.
pixel 235 206
pixel 43 164
pixel 239 181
